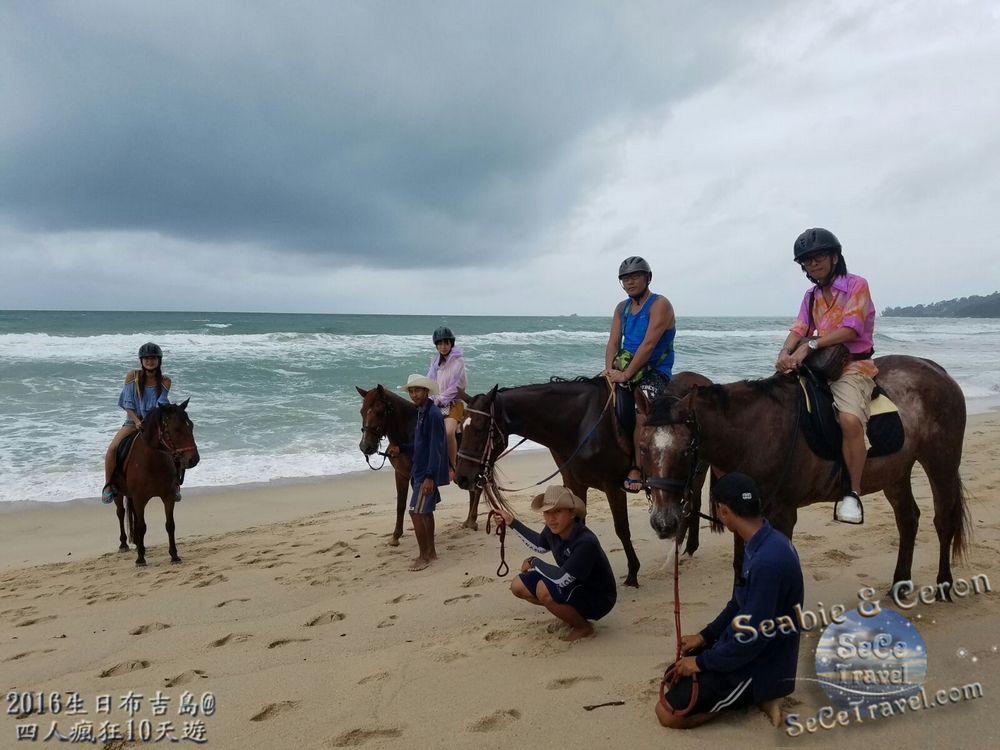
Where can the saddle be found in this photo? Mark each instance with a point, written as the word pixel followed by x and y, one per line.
pixel 124 451
pixel 819 425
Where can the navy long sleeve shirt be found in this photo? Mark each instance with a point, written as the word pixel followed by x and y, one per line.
pixel 429 447
pixel 770 587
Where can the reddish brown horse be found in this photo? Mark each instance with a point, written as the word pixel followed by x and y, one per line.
pixel 165 441
pixel 571 419
pixel 387 415
pixel 750 427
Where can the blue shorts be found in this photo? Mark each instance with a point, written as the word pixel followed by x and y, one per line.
pixel 578 596
pixel 425 504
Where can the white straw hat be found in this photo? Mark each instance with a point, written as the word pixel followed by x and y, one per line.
pixel 419 381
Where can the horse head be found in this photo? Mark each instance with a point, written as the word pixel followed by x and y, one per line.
pixel 174 433
pixel 375 413
pixel 666 443
pixel 482 439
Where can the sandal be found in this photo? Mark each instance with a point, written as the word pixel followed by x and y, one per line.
pixel 108 494
pixel 630 481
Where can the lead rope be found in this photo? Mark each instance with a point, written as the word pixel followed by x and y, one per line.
pixel 502 569
pixel 670 677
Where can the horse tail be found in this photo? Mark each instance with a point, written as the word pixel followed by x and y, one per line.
pixel 130 511
pixel 715 524
pixel 962 520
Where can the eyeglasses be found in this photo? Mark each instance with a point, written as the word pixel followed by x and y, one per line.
pixel 814 258
pixel 634 276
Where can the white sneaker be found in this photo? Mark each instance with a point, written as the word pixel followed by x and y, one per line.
pixel 849 509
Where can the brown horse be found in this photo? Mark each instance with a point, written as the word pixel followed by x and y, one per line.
pixel 165 441
pixel 750 427
pixel 384 414
pixel 571 419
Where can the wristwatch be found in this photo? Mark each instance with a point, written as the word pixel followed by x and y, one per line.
pixel 813 344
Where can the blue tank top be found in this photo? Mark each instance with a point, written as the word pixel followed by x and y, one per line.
pixel 634 331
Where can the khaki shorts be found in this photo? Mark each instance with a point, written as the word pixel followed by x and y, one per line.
pixel 853 394
pixel 456 411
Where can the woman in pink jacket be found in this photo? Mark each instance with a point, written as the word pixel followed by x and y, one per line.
pixel 448 371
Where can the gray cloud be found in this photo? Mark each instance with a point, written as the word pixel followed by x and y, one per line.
pixel 374 131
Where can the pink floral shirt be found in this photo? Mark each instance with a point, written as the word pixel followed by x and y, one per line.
pixel 852 308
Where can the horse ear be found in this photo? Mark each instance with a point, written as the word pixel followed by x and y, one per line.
pixel 379 389
pixel 184 406
pixel 641 402
pixel 363 393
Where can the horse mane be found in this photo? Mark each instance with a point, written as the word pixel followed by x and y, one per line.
pixel 717 394
pixel 159 412
pixel 556 379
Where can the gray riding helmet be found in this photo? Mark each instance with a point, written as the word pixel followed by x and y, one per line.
pixel 632 264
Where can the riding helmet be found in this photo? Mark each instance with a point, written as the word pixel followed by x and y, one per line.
pixel 444 334
pixel 815 240
pixel 632 264
pixel 150 350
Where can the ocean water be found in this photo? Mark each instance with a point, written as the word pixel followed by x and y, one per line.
pixel 272 395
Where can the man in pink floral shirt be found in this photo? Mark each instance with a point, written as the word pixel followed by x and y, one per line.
pixel 837 310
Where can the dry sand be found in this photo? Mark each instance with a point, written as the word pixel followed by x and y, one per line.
pixel 291 609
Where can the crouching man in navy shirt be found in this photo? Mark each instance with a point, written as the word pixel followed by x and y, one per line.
pixel 732 673
pixel 581 585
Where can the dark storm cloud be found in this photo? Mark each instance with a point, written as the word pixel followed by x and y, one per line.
pixel 398 132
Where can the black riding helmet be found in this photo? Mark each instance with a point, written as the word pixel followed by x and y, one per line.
pixel 813 241
pixel 632 264
pixel 150 350
pixel 443 334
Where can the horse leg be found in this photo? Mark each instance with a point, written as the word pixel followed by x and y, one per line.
pixel 470 522
pixel 618 501
pixel 900 496
pixel 140 531
pixel 951 521
pixel 168 508
pixel 120 510
pixel 402 486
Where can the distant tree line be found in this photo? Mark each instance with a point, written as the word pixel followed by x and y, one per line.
pixel 964 307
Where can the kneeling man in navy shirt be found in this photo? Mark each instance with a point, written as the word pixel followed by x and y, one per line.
pixel 732 673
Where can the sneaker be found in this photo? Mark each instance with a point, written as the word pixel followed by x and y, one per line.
pixel 849 509
pixel 107 495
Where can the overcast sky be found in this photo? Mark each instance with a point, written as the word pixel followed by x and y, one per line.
pixel 492 157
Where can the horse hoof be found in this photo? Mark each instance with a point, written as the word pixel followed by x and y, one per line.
pixel 140 563
pixel 175 560
pixel 632 581
pixel 394 542
pixel 124 549
pixel 473 525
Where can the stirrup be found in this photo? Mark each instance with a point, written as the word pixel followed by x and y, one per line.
pixel 628 481
pixel 108 494
pixel 853 522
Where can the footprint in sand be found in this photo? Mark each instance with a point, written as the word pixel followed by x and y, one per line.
pixel 387 623
pixel 23 654
pixel 231 638
pixel 820 575
pixel 463 598
pixel 476 581
pixel 496 635
pixel 840 556
pixel 230 601
pixel 143 629
pixel 403 598
pixel 274 709
pixel 211 581
pixel 35 621
pixel 564 682
pixel 286 641
pixel 326 618
pixel 185 678
pixel 496 720
pixel 14 614
pixel 125 667
pixel 357 737
pixel 377 677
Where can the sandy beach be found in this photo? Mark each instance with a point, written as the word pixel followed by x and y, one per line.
pixel 292 610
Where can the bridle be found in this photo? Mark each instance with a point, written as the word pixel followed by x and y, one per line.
pixel 681 487
pixel 379 433
pixel 485 458
pixel 163 435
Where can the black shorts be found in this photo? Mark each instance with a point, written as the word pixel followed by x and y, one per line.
pixel 579 597
pixel 716 693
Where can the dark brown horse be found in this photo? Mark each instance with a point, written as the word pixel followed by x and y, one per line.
pixel 384 414
pixel 165 441
pixel 566 417
pixel 750 426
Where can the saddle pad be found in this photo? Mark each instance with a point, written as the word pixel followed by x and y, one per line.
pixel 817 420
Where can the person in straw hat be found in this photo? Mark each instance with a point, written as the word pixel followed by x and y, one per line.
pixel 430 465
pixel 581 585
